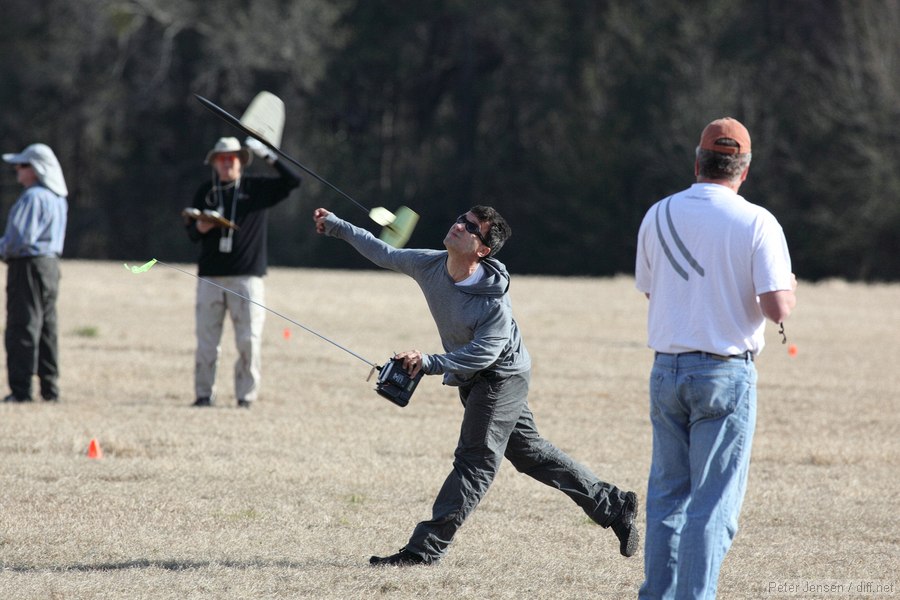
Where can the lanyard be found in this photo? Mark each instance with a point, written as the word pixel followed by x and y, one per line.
pixel 220 203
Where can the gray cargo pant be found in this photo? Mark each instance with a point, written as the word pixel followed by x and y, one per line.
pixel 496 423
pixel 248 320
pixel 32 287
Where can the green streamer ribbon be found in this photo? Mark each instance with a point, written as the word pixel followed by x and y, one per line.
pixel 143 268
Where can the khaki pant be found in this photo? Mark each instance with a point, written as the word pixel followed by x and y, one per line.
pixel 247 319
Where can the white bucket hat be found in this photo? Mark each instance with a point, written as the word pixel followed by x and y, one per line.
pixel 229 144
pixel 45 165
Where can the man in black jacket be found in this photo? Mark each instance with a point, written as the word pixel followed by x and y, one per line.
pixel 236 259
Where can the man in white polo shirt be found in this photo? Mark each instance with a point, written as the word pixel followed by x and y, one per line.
pixel 714 267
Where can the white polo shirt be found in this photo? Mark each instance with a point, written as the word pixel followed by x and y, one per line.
pixel 705 255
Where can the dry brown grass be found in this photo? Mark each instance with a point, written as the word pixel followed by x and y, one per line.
pixel 289 499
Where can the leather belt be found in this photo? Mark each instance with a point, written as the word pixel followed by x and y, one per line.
pixel 743 356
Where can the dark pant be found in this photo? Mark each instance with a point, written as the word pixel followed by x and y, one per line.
pixel 32 285
pixel 497 422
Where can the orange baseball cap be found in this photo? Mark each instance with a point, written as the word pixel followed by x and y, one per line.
pixel 726 128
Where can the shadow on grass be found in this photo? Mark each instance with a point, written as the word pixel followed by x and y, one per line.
pixel 170 565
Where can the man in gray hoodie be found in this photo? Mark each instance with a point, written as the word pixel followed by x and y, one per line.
pixel 484 356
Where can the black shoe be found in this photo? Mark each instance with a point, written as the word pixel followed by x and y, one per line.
pixel 14 398
pixel 244 403
pixel 51 399
pixel 203 401
pixel 404 558
pixel 624 526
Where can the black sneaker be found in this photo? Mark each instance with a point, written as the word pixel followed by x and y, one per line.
pixel 244 403
pixel 14 398
pixel 203 401
pixel 404 558
pixel 624 526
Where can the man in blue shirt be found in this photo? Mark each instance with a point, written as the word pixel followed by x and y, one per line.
pixel 31 246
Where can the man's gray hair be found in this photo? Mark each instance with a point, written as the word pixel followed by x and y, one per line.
pixel 715 165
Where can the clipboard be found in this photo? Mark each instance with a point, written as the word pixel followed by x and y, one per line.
pixel 208 216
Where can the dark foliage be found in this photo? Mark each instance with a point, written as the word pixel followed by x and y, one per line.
pixel 571 118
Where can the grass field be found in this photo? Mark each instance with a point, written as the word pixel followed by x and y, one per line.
pixel 289 499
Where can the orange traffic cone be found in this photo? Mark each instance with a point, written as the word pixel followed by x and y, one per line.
pixel 94 450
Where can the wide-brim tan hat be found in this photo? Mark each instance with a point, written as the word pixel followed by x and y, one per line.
pixel 229 144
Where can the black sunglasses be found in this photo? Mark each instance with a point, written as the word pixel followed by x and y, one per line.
pixel 472 228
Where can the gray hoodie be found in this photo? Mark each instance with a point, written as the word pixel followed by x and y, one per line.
pixel 476 325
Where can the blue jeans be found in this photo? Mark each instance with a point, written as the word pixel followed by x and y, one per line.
pixel 703 412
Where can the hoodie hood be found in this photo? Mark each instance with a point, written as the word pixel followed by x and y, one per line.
pixel 494 283
pixel 45 165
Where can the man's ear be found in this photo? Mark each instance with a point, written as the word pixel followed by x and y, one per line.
pixel 483 252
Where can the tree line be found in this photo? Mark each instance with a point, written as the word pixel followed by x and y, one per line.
pixel 571 118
